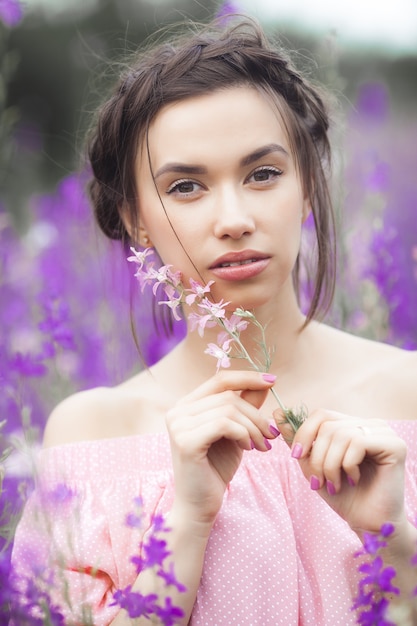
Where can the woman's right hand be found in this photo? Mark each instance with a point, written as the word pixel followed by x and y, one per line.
pixel 209 429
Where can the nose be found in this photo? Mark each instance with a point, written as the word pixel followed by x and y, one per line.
pixel 233 217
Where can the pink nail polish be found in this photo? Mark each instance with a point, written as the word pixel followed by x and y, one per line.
pixel 252 445
pixel 331 490
pixel 297 451
pixel 274 430
pixel 269 378
pixel 267 444
pixel 314 483
pixel 351 481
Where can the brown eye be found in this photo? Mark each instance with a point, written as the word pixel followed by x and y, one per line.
pixel 265 174
pixel 261 175
pixel 183 187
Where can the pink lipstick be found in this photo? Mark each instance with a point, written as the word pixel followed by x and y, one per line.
pixel 240 265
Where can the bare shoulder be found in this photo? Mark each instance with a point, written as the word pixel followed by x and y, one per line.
pixel 106 412
pixel 392 378
pixel 397 365
pixel 381 374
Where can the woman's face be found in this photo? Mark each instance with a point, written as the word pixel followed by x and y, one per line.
pixel 225 185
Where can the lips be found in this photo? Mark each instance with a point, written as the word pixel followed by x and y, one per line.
pixel 235 259
pixel 240 266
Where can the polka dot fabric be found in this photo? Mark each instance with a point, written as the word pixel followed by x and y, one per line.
pixel 277 555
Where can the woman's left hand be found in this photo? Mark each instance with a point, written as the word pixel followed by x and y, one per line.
pixel 356 465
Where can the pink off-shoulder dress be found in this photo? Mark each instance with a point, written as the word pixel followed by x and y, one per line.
pixel 277 555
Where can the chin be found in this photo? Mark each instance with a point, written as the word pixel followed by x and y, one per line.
pixel 249 302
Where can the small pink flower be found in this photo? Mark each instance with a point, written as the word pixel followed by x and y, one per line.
pixel 197 291
pixel 199 322
pixel 234 326
pixel 164 276
pixel 145 275
pixel 139 257
pixel 173 304
pixel 214 309
pixel 220 353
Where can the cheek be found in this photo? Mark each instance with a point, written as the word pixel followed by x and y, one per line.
pixel 173 246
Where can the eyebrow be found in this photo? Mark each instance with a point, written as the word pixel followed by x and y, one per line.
pixel 264 151
pixel 182 168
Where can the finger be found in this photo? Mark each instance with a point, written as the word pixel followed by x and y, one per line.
pixel 225 405
pixel 283 426
pixel 304 438
pixel 232 380
pixel 255 397
pixel 326 460
pixel 196 441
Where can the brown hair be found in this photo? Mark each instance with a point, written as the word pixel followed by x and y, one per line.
pixel 215 57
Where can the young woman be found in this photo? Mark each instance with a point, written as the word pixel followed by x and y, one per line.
pixel 213 151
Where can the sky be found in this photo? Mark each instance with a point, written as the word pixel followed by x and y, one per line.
pixel 366 22
pixel 376 23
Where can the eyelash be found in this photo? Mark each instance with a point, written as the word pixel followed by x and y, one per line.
pixel 174 188
pixel 268 169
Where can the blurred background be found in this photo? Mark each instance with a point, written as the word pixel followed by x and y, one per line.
pixel 64 292
pixel 66 295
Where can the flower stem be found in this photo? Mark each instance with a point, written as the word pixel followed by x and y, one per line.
pixel 294 418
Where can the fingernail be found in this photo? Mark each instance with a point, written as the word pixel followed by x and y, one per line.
pixel 314 483
pixel 274 430
pixel 269 378
pixel 331 490
pixel 267 444
pixel 351 481
pixel 252 445
pixel 297 451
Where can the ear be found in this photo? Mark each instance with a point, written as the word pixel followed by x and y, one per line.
pixel 144 240
pixel 135 228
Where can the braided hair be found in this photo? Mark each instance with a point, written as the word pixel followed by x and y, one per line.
pixel 213 58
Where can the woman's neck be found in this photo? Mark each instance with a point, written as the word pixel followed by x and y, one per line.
pixel 283 327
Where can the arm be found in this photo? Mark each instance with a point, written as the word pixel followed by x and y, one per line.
pixel 187 543
pixel 357 467
pixel 209 429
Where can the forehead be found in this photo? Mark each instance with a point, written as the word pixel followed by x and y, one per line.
pixel 225 124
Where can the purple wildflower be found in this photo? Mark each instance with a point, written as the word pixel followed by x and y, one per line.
pixel 387 529
pixel 372 543
pixel 155 551
pixel 376 615
pixel 378 575
pixel 56 320
pixel 227 9
pixel 58 497
pixel 138 562
pixel 169 614
pixel 28 365
pixel 136 604
pixel 376 580
pixel 11 12
pixel 133 520
pixel 170 578
pixel 373 102
pixel 27 601
pixel 158 523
